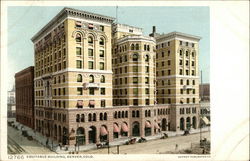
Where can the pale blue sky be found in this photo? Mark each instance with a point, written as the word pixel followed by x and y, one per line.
pixel 25 22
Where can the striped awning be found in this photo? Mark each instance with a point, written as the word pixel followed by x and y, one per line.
pixel 205 120
pixel 80 103
pixel 147 124
pixel 116 128
pixel 103 131
pixel 92 102
pixel 156 126
pixel 124 127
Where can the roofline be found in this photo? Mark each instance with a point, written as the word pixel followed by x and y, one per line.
pixel 64 11
pixel 175 33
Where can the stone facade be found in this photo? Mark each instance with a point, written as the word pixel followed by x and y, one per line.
pixel 96 81
pixel 24 81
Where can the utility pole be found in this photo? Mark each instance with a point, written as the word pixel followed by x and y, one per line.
pixel 200 108
pixel 118 150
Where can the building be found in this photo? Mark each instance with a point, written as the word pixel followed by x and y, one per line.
pixel 205 92
pixel 177 76
pixel 11 103
pixel 24 81
pixel 96 80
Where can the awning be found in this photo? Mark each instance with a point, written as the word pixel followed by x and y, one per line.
pixel 205 120
pixel 156 126
pixel 92 102
pixel 79 103
pixel 124 127
pixel 103 131
pixel 116 128
pixel 147 124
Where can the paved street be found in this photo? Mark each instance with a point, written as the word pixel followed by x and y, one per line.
pixel 18 144
pixel 155 146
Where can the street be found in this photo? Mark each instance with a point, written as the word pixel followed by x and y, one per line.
pixel 159 146
pixel 18 144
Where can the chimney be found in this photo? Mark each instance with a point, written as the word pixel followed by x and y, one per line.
pixel 154 29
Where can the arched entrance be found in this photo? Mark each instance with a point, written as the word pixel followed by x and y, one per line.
pixel 60 133
pixel 147 128
pixel 124 129
pixel 194 122
pixel 182 124
pixel 80 136
pixel 92 134
pixel 164 125
pixel 136 129
pixel 188 123
pixel 103 133
pixel 116 130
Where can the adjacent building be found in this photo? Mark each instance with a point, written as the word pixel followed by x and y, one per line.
pixel 11 103
pixel 24 81
pixel 96 80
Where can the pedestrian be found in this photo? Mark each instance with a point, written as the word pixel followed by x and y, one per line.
pixel 176 147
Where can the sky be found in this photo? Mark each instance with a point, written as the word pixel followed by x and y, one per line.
pixel 25 21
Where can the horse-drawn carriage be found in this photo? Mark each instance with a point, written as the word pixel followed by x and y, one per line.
pixel 131 141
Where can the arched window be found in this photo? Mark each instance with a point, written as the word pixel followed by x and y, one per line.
pixel 102 79
pixel 94 117
pixel 91 79
pixel 149 113
pixel 132 47
pixel 82 117
pixel 90 117
pixel 193 82
pixel 101 42
pixel 105 116
pixel 101 116
pixel 119 114
pixel 122 114
pixel 147 58
pixel 137 113
pixel 135 57
pixel 63 78
pixel 78 38
pixel 186 53
pixel 90 40
pixel 77 118
pixel 137 46
pixel 146 113
pixel 79 78
pixel 115 115
pixel 59 79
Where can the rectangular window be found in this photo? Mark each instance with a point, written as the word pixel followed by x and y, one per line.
pixel 146 80
pixel 169 72
pixel 78 24
pixel 192 44
pixel 64 91
pixel 186 43
pixel 135 68
pixel 169 91
pixel 169 100
pixel 193 91
pixel 126 80
pixel 101 28
pixel 180 73
pixel 91 65
pixel 187 100
pixel 186 62
pixel 146 90
pixel 103 103
pixel 186 72
pixel 193 100
pixel 135 91
pixel 147 101
pixel 192 63
pixel 78 51
pixel 147 69
pixel 162 54
pixel 169 62
pixel 162 64
pixel 162 73
pixel 180 42
pixel 181 91
pixel 79 91
pixel 193 72
pixel 91 91
pixel 135 80
pixel 101 65
pixel 101 53
pixel 126 69
pixel 90 52
pixel 135 102
pixel 102 91
pixel 79 64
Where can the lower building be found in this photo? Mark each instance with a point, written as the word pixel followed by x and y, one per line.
pixel 24 81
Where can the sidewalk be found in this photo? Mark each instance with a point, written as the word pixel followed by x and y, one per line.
pixel 41 140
